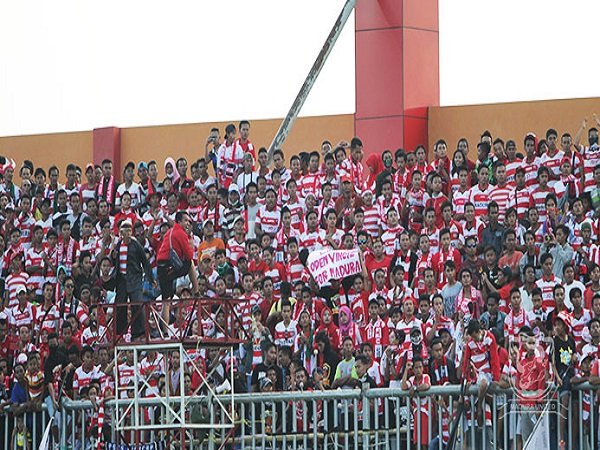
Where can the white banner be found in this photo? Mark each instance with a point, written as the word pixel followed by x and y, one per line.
pixel 325 265
pixel 45 442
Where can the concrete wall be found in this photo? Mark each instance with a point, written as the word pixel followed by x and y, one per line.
pixel 508 120
pixel 188 140
pixel 505 120
pixel 158 142
pixel 46 150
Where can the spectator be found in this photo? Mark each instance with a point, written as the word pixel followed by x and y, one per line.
pixel 132 263
pixel 425 232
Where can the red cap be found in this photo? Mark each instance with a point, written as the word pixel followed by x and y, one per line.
pixel 566 318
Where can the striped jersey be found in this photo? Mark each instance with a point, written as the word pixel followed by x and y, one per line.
pixel 546 285
pixel 480 199
pixel 591 158
pixel 501 195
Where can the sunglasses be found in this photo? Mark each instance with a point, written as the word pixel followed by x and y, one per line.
pixel 471 245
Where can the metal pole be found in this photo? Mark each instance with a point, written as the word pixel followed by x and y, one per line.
pixel 311 78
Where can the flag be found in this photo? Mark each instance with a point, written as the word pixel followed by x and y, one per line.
pixel 540 437
pixel 45 442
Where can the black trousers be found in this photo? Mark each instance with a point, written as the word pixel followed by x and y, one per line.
pixel 167 276
pixel 122 298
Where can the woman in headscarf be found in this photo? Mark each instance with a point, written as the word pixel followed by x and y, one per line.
pixel 347 327
pixel 170 171
pixel 375 167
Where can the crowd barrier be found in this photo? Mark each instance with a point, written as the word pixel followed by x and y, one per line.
pixel 382 418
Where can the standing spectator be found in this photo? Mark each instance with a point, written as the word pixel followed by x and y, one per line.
pixel 229 158
pixel 480 362
pixel 177 240
pixel 132 263
pixel 556 245
pixel 107 187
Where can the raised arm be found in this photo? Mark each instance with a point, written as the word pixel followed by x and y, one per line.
pixel 577 138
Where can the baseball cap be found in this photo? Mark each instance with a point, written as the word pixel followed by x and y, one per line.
pixel 89 166
pixel 234 188
pixel 20 289
pixel 126 224
pixel 142 165
pixel 566 319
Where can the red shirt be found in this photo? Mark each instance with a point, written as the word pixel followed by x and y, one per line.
pixel 373 265
pixel 181 243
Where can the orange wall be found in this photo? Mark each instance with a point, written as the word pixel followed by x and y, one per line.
pixel 147 143
pixel 158 142
pixel 505 120
pixel 508 120
pixel 45 150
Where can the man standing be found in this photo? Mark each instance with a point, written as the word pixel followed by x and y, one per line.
pixel 107 188
pixel 556 244
pixel 132 263
pixel 243 141
pixel 229 158
pixel 130 186
pixel 352 167
pixel 493 234
pixel 178 240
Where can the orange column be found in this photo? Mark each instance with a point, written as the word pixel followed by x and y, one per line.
pixel 107 145
pixel 397 72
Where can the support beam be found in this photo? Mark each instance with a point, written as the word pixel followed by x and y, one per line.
pixel 312 76
pixel 107 145
pixel 397 72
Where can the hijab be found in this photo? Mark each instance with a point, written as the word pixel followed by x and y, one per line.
pixel 174 176
pixel 375 166
pixel 345 329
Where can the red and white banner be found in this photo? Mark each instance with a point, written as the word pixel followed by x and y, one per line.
pixel 325 265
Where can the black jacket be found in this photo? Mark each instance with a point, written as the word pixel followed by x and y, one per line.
pixel 137 265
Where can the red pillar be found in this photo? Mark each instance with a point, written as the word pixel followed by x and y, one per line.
pixel 107 145
pixel 397 72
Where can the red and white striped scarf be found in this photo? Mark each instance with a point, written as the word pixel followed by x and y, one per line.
pixel 100 420
pixel 68 258
pixel 123 257
pixel 462 303
pixel 108 196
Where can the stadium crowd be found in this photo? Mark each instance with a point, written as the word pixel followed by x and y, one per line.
pixel 471 270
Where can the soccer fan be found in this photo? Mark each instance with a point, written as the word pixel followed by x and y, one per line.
pixel 460 271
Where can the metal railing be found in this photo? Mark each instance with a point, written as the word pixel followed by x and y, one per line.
pixel 382 418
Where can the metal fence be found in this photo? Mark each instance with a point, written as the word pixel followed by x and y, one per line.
pixel 383 418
